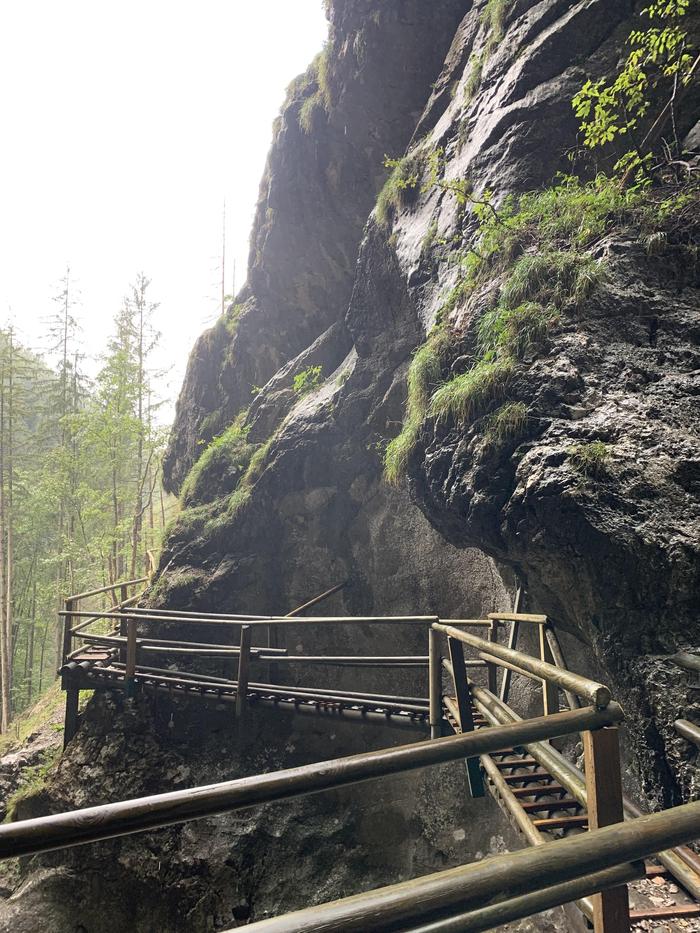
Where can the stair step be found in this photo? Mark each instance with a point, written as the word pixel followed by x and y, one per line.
pixel 516 763
pixel 550 805
pixel 538 791
pixel 561 822
pixel 527 778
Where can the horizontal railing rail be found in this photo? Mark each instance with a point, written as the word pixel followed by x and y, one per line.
pixel 587 689
pixel 688 730
pixel 59 831
pixel 430 903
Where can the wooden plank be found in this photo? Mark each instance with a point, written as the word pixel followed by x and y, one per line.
pixel 67 626
pixel 550 805
pixel 464 708
pixel 512 644
pixel 601 749
pixel 558 656
pixel 539 791
pixel 527 778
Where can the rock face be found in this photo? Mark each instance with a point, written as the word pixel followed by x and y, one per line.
pixel 592 501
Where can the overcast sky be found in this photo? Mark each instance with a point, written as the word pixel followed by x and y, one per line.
pixel 125 126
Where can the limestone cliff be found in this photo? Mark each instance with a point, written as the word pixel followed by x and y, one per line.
pixel 575 465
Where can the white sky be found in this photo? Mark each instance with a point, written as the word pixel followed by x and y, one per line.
pixel 124 127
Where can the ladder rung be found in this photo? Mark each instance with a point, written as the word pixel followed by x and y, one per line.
pixel 561 822
pixel 527 778
pixel 538 791
pixel 516 763
pixel 550 805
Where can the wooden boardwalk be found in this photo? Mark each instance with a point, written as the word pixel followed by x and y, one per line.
pixel 545 797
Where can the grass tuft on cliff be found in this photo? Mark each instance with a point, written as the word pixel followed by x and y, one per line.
pixel 400 188
pixel 424 375
pixel 590 459
pixel 469 395
pixel 539 244
pixel 222 462
pixel 507 423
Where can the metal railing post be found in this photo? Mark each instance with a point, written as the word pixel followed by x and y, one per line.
pixel 464 708
pixel 601 749
pixel 243 673
pixel 130 671
pixel 435 683
pixel 67 626
pixel 491 669
pixel 550 691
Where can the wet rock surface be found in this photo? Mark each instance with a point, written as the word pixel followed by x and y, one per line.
pixel 612 558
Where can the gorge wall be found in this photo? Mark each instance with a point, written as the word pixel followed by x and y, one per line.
pixel 575 467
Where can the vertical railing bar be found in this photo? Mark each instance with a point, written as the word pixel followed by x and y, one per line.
pixel 550 691
pixel 558 658
pixel 464 708
pixel 243 673
pixel 130 670
pixel 601 749
pixel 512 642
pixel 434 683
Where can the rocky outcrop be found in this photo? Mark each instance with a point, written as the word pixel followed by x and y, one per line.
pixel 590 495
pixel 358 101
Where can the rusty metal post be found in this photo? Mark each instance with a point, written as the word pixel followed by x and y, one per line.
pixel 70 722
pixel 435 683
pixel 67 626
pixel 601 749
pixel 243 673
pixel 550 691
pixel 464 708
pixel 129 674
pixel 491 669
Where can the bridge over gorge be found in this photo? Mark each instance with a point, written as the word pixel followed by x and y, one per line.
pixel 586 841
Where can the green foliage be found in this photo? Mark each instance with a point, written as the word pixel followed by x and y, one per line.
pixel 308 111
pixel 308 380
pixel 315 87
pixel 537 244
pixel 471 394
pixel 473 82
pixel 231 318
pixel 223 461
pixel 34 784
pixel 47 708
pixel 424 375
pixel 590 459
pixel 660 58
pixel 514 332
pixel 494 18
pixel 400 187
pixel 507 423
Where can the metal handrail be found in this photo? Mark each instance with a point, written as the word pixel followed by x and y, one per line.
pixel 506 879
pixel 590 690
pixel 59 831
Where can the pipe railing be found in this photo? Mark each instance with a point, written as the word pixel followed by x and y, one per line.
pixel 590 690
pixel 59 831
pixel 458 899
